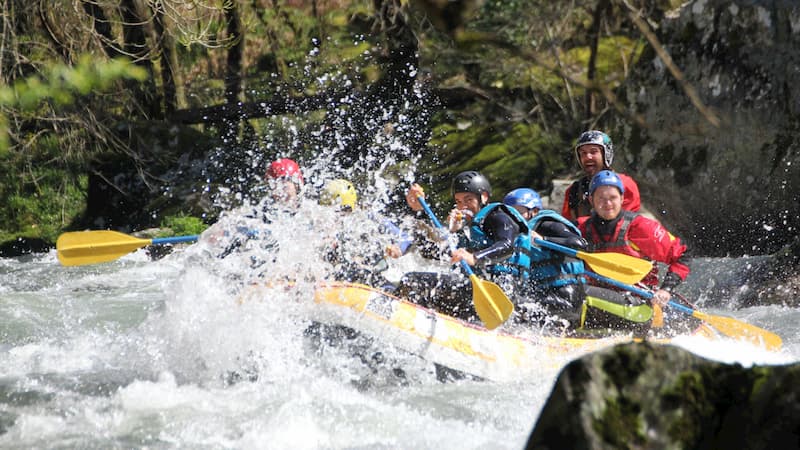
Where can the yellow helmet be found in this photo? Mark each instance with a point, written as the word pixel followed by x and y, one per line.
pixel 339 192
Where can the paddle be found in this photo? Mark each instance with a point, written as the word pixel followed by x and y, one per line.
pixel 491 303
pixel 634 313
pixel 623 268
pixel 91 247
pixel 726 325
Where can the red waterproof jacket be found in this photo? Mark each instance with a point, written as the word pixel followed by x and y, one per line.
pixel 576 202
pixel 641 237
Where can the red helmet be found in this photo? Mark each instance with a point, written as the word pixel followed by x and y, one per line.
pixel 285 168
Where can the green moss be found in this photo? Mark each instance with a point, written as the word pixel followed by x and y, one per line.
pixel 182 225
pixel 761 375
pixel 620 425
pixel 41 199
pixel 615 56
pixel 511 155
pixel 691 404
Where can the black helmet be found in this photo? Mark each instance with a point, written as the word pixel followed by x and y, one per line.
pixel 599 138
pixel 471 181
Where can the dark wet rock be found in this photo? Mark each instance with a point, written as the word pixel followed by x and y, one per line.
pixel 783 287
pixel 24 246
pixel 730 189
pixel 660 396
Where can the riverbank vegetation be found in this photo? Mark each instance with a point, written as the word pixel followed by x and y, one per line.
pixel 121 114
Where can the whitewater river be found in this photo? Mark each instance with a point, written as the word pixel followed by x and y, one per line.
pixel 163 354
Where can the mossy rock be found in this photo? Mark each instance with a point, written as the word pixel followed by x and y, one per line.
pixel 511 155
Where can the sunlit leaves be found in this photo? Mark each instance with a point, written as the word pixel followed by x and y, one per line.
pixel 60 84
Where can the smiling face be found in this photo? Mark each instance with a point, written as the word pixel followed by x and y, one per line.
pixel 469 201
pixel 591 158
pixel 607 202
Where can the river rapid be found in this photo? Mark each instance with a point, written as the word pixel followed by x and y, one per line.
pixel 163 354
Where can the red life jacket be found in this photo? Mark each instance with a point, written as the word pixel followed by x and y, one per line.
pixel 619 242
pixel 576 201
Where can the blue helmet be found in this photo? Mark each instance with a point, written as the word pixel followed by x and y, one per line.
pixel 606 178
pixel 524 197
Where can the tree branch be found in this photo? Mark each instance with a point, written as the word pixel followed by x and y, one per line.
pixel 249 110
pixel 662 53
pixel 471 38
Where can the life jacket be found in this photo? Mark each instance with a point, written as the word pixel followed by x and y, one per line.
pixel 550 268
pixel 578 199
pixel 519 263
pixel 619 243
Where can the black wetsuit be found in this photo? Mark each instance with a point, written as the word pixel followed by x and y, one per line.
pixel 451 293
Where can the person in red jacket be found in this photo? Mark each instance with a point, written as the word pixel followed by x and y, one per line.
pixel 285 179
pixel 595 152
pixel 284 182
pixel 611 228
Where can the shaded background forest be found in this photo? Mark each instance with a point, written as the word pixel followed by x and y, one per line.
pixel 133 114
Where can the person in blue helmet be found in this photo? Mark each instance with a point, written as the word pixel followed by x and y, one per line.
pixel 559 284
pixel 492 238
pixel 612 228
pixel 556 280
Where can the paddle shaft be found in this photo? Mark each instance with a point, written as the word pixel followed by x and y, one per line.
pixel 726 325
pixel 559 248
pixel 174 239
pixel 439 225
pixel 621 267
pixel 627 287
pixel 640 292
pixel 491 303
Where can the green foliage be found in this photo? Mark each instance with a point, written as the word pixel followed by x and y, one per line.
pixel 304 47
pixel 510 154
pixel 38 177
pixel 60 83
pixel 40 201
pixel 513 130
pixel 182 225
pixel 620 424
pixel 615 55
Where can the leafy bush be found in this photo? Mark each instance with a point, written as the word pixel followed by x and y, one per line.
pixel 182 225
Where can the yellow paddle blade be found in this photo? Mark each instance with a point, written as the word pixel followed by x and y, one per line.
pixel 742 331
pixel 625 268
pixel 91 247
pixel 491 303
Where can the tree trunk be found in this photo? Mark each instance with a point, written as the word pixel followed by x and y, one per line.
pixel 594 42
pixel 401 43
pixel 233 69
pixel 170 75
pixel 135 46
pixel 233 76
pixel 102 27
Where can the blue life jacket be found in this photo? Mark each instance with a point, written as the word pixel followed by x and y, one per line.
pixel 548 267
pixel 401 238
pixel 518 264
